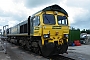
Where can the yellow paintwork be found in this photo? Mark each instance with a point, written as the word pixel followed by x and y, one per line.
pixel 45 29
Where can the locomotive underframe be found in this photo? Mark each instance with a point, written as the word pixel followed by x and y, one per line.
pixel 35 44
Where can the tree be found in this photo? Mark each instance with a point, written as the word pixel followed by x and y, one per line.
pixel 88 31
pixel 83 31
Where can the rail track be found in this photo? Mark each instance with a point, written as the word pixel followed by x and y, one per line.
pixel 54 57
pixel 60 57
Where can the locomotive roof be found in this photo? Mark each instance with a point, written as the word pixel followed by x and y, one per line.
pixel 54 8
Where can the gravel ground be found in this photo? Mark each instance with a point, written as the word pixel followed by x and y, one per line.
pixel 84 49
pixel 3 56
pixel 77 56
pixel 73 52
pixel 79 52
pixel 16 53
pixel 20 54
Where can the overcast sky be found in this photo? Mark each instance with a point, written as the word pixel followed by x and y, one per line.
pixel 13 12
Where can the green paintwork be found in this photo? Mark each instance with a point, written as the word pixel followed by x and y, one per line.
pixel 74 35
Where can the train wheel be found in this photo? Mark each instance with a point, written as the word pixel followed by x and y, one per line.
pixel 28 45
pixel 64 48
pixel 36 50
pixel 39 50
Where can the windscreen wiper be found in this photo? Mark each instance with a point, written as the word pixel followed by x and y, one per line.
pixel 47 19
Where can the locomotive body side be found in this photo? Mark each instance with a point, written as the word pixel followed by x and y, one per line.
pixel 18 32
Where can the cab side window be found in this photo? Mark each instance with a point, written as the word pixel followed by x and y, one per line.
pixel 36 21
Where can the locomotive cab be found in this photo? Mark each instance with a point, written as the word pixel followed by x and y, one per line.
pixel 55 33
pixel 51 29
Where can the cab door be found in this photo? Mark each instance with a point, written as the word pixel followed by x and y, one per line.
pixel 36 24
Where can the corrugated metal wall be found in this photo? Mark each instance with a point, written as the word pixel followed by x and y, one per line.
pixel 74 35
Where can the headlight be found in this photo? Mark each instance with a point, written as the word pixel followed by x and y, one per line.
pixel 66 35
pixel 46 36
